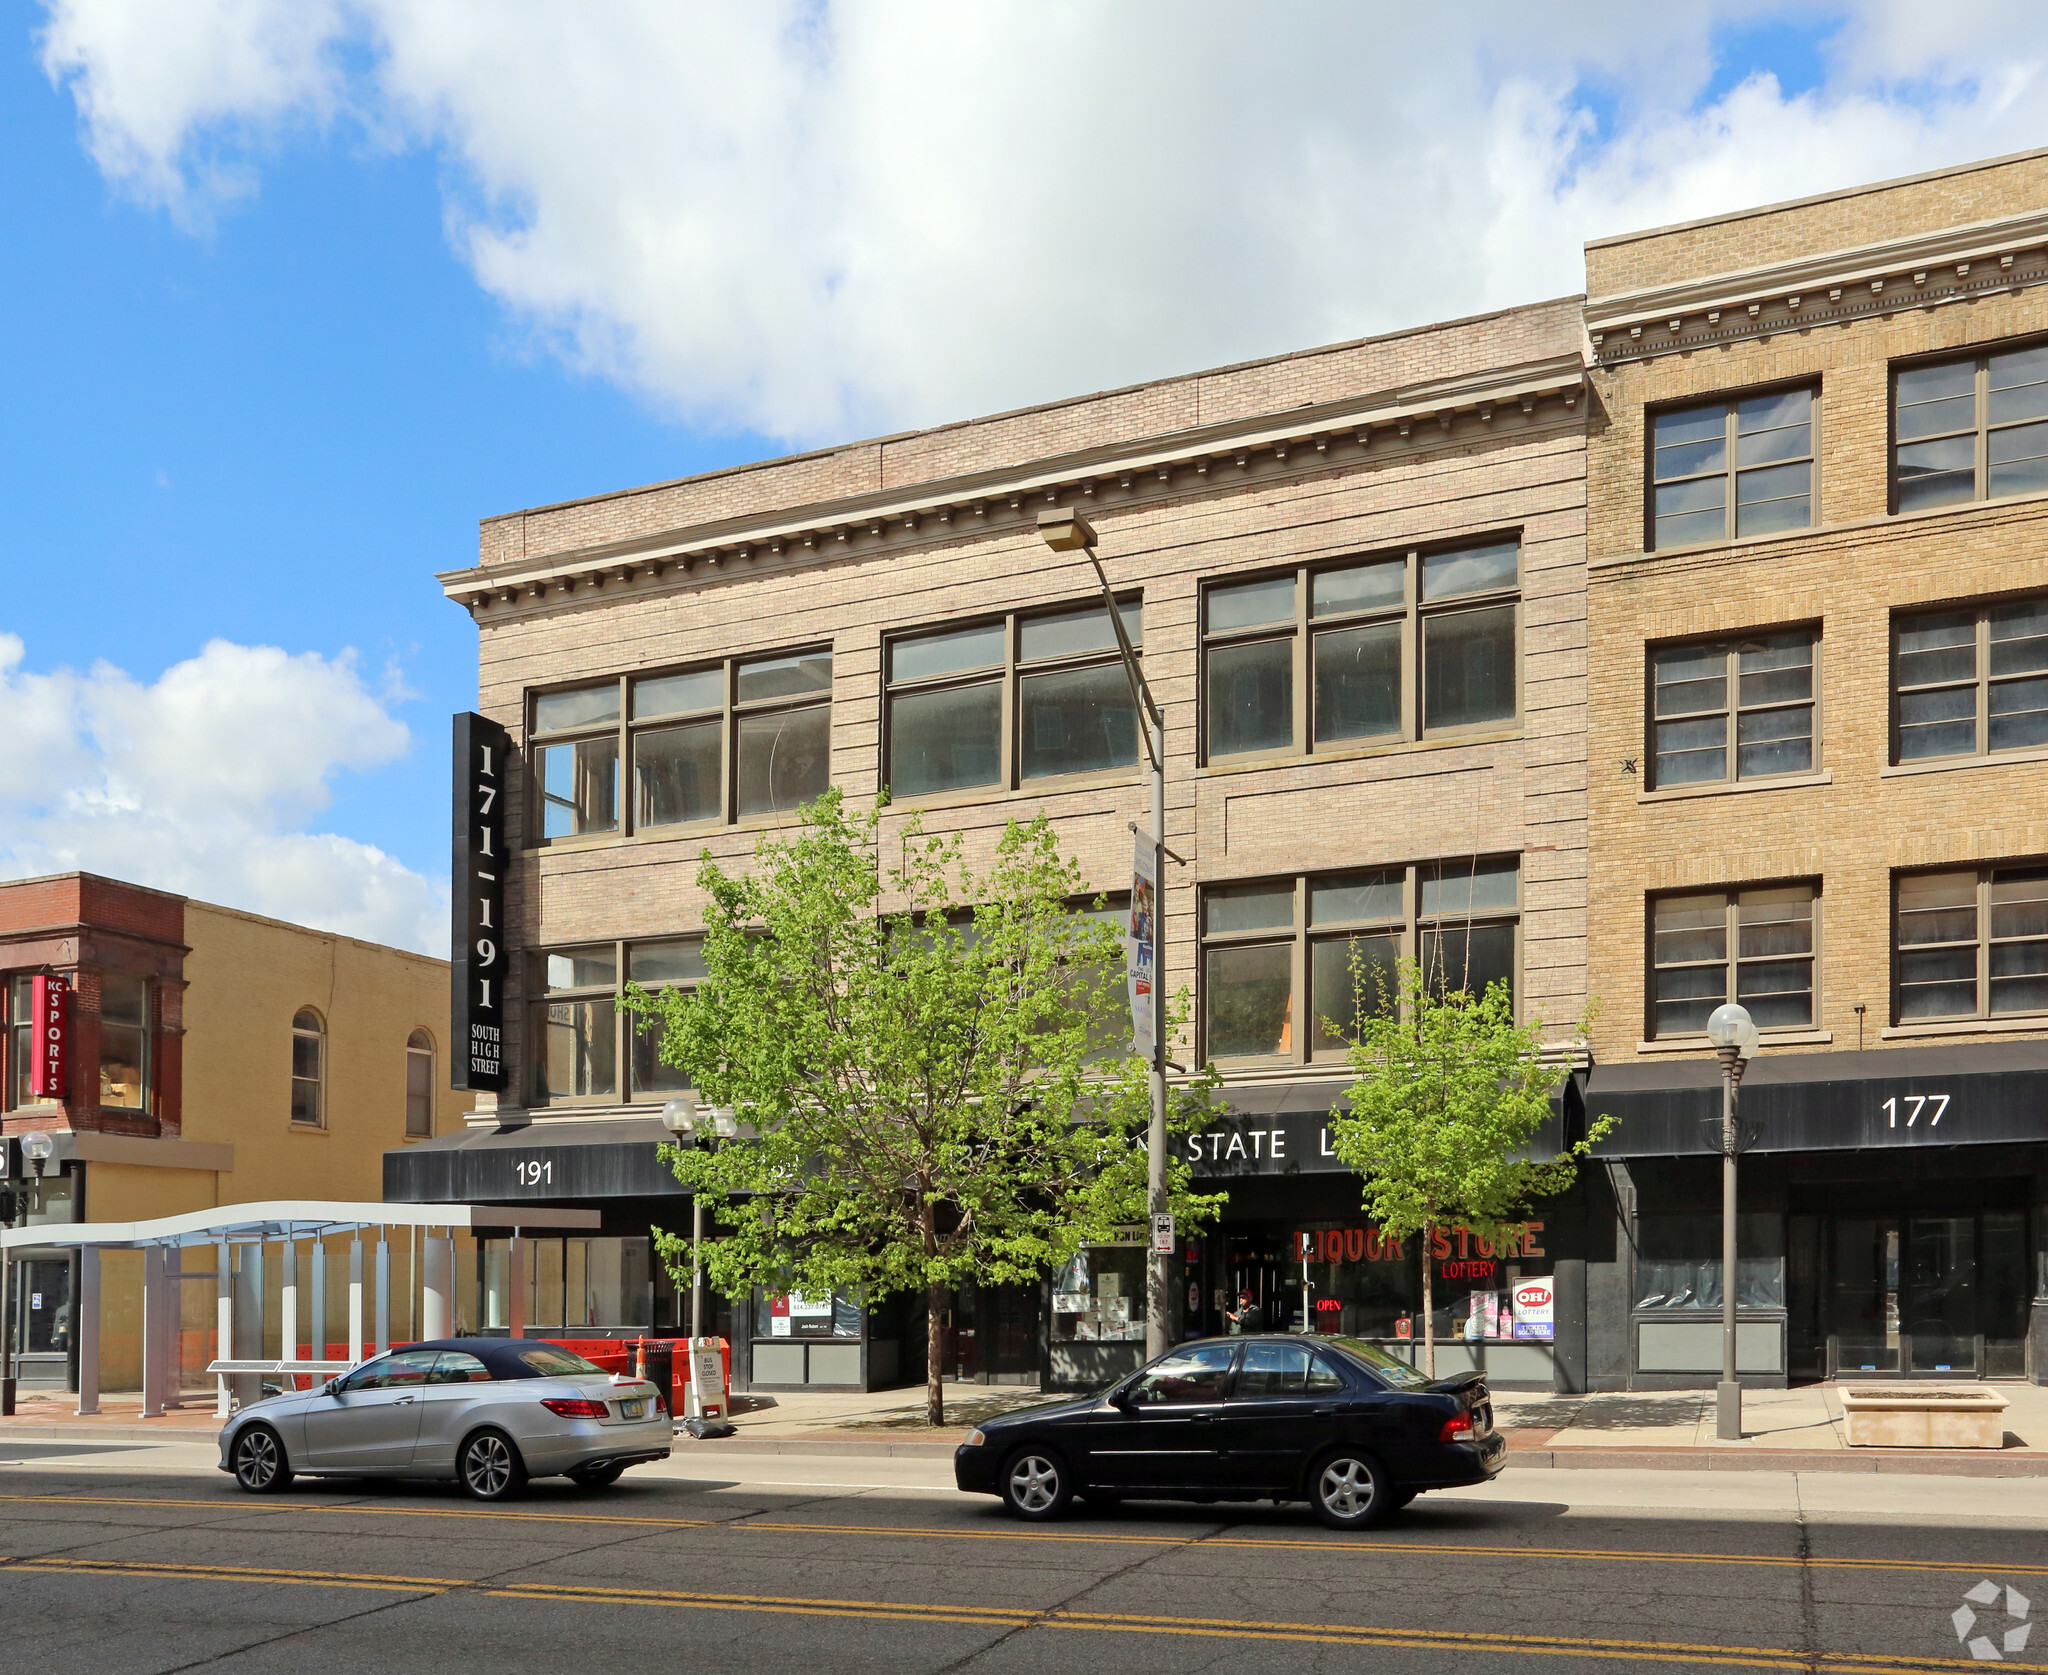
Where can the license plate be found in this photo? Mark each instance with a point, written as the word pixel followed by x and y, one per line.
pixel 632 1410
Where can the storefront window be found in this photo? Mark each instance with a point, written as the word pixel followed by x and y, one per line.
pixel 1679 1264
pixel 124 1040
pixel 568 1284
pixel 1099 1296
pixel 796 1314
pixel 1366 1284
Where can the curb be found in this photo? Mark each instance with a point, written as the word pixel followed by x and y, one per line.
pixel 1919 1462
pixel 58 1431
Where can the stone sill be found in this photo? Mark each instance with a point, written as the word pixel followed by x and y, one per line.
pixel 2035 1022
pixel 1950 764
pixel 1726 788
pixel 1700 1044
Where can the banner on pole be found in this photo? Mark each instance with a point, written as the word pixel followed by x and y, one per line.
pixel 1142 947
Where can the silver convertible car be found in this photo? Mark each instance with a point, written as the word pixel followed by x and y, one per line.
pixel 488 1412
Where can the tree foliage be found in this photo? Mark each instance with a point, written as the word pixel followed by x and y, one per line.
pixel 1450 1091
pixel 930 1065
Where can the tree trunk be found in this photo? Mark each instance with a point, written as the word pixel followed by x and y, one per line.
pixel 935 1354
pixel 1428 1306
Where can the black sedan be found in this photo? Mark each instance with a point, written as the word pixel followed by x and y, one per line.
pixel 1336 1422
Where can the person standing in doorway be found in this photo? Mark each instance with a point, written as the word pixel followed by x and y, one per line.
pixel 1243 1317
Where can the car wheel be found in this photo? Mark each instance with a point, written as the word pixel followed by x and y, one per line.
pixel 1350 1490
pixel 259 1461
pixel 597 1477
pixel 490 1468
pixel 1036 1484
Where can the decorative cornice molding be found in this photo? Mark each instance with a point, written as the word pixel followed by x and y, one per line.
pixel 1212 458
pixel 1926 270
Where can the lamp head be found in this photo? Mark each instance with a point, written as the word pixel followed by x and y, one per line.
pixel 725 1122
pixel 1732 1026
pixel 679 1115
pixel 1065 530
pixel 38 1148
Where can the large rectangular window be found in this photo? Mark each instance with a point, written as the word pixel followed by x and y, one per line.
pixel 580 1034
pixel 1971 429
pixel 124 1041
pixel 1971 943
pixel 1970 682
pixel 20 1039
pixel 1008 702
pixel 1381 650
pixel 702 747
pixel 1335 940
pixel 1730 468
pixel 1733 709
pixel 1756 947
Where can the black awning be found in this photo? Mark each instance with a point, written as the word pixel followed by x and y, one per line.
pixel 551 1159
pixel 1983 1094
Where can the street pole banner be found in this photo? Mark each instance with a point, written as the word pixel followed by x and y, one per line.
pixel 1141 947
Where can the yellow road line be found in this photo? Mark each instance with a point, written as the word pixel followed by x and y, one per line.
pixel 1017 1617
pixel 1348 1547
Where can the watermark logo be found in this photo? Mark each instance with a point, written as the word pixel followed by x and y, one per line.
pixel 1981 1646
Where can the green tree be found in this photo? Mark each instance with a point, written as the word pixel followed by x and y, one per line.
pixel 1450 1090
pixel 930 1065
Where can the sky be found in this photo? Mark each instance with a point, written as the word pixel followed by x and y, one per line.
pixel 293 292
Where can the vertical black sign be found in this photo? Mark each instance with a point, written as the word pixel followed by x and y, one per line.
pixel 477 909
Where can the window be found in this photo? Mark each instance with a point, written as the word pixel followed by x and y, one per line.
pixel 124 1041
pixel 309 1069
pixel 419 1085
pixel 1972 944
pixel 1002 703
pixel 745 737
pixel 1411 645
pixel 1970 682
pixel 20 1040
pixel 1752 946
pixel 1339 936
pixel 1282 1369
pixel 582 1035
pixel 1099 1296
pixel 1764 684
pixel 1731 468
pixel 1200 1374
pixel 1970 429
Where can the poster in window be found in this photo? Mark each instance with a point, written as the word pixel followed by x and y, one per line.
pixel 1534 1307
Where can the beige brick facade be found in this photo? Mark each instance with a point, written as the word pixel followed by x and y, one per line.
pixel 1859 819
pixel 1463 431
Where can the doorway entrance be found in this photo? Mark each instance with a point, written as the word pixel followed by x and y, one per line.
pixel 1927 1292
pixel 41 1318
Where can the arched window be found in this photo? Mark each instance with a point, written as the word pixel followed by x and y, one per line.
pixel 419 1085
pixel 309 1069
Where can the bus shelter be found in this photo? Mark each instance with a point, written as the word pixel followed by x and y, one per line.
pixel 239 1235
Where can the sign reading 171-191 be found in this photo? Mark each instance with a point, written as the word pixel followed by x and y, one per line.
pixel 476 951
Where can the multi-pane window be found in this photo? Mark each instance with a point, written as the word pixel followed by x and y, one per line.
pixel 309 1069
pixel 1971 681
pixel 1733 709
pixel 1755 947
pixel 1974 429
pixel 1731 468
pixel 580 1035
pixel 1335 939
pixel 124 1040
pixel 20 1040
pixel 1017 699
pixel 1409 645
pixel 419 1085
pixel 746 737
pixel 1972 944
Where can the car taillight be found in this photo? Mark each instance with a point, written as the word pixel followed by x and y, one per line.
pixel 1456 1430
pixel 573 1407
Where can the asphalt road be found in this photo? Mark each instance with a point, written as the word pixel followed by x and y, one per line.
pixel 145 1561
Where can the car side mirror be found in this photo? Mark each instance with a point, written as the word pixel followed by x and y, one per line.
pixel 331 1388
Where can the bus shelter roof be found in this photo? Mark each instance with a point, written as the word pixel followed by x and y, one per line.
pixel 290 1218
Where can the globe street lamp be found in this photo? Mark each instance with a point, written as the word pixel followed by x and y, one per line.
pixel 1066 531
pixel 1733 1033
pixel 37 1148
pixel 683 1117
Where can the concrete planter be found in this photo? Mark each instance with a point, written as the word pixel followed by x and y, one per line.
pixel 1903 1416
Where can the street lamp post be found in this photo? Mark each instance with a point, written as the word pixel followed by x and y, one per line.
pixel 1733 1033
pixel 1067 531
pixel 681 1117
pixel 36 1150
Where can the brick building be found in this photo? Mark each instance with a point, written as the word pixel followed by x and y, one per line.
pixel 214 1057
pixel 1358 578
pixel 1818 471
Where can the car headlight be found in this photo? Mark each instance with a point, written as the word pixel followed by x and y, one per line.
pixel 975 1439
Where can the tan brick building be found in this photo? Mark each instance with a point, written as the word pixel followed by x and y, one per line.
pixel 1358 576
pixel 1818 467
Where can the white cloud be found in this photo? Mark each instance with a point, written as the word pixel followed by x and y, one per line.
pixel 818 219
pixel 204 781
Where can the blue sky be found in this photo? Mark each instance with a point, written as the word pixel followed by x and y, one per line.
pixel 267 414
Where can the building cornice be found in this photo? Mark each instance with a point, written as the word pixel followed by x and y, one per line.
pixel 1865 281
pixel 1519 399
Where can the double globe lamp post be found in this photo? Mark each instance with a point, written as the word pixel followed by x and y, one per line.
pixel 684 1117
pixel 1733 1033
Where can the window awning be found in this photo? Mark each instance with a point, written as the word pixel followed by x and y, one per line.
pixel 1986 1093
pixel 547 1160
